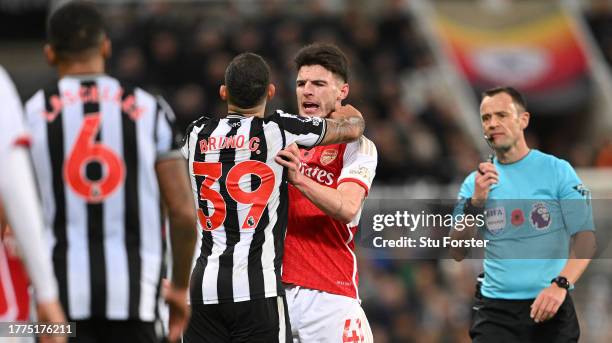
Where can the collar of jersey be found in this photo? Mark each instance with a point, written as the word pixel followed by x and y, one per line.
pixel 83 76
pixel 517 161
pixel 235 115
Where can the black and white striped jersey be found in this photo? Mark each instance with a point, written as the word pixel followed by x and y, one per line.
pixel 95 143
pixel 241 200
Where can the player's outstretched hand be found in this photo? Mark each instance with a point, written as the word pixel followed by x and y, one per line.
pixel 179 311
pixel 51 312
pixel 290 159
pixel 344 112
pixel 546 305
pixel 485 177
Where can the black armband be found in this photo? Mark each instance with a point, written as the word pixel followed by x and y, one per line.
pixel 469 208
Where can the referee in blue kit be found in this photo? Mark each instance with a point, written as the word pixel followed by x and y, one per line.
pixel 539 226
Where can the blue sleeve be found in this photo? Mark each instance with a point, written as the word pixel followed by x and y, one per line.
pixel 575 200
pixel 465 191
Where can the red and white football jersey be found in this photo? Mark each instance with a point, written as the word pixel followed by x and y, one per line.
pixel 12 128
pixel 319 250
pixel 14 296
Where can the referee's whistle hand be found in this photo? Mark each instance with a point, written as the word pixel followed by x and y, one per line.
pixel 486 176
pixel 547 303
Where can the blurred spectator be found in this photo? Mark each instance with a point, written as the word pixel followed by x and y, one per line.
pixel 604 155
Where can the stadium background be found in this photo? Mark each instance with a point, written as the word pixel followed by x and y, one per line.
pixel 417 67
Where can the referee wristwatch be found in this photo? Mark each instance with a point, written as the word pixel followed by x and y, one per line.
pixel 562 282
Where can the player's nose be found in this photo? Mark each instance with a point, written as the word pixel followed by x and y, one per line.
pixel 308 88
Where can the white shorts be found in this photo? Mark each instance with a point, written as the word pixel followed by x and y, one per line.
pixel 320 317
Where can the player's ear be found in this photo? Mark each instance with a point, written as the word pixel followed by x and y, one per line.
pixel 106 48
pixel 344 91
pixel 524 119
pixel 50 54
pixel 223 92
pixel 271 91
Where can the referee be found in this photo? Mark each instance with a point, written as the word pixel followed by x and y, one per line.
pixel 533 257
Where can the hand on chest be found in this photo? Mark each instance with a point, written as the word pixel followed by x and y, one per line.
pixel 322 164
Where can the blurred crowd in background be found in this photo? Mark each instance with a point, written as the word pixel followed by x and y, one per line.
pixel 180 50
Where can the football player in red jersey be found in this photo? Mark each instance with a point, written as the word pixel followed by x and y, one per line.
pixel 328 187
pixel 22 211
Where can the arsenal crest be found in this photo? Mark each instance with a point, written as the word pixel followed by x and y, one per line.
pixel 328 156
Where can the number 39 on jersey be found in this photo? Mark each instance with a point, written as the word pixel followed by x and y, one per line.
pixel 257 198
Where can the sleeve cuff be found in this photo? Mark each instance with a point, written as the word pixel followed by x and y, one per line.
pixel 357 181
pixel 170 155
pixel 23 141
pixel 323 133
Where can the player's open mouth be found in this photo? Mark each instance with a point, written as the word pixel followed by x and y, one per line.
pixel 310 107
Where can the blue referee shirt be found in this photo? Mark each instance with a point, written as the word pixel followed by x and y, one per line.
pixel 531 214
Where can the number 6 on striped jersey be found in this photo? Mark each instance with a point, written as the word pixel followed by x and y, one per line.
pixel 85 151
pixel 258 198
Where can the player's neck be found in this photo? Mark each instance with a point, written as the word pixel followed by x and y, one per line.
pixel 515 153
pixel 257 111
pixel 84 67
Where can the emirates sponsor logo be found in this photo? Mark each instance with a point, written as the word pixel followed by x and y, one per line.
pixel 317 174
pixel 328 156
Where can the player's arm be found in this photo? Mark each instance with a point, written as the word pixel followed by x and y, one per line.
pixel 175 189
pixel 21 206
pixel 18 194
pixel 344 125
pixel 176 193
pixel 344 202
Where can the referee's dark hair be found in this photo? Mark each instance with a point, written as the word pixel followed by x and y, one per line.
pixel 326 55
pixel 75 28
pixel 517 97
pixel 247 78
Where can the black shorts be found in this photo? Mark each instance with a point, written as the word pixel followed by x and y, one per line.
pixel 255 321
pixel 497 320
pixel 115 331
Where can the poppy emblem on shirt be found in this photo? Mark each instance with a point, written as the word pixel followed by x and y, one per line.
pixel 540 216
pixel 518 218
pixel 328 156
pixel 306 155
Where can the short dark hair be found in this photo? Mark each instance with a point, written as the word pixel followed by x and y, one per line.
pixel 517 97
pixel 247 78
pixel 75 28
pixel 326 55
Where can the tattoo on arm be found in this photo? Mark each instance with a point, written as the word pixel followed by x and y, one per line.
pixel 343 130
